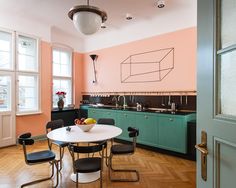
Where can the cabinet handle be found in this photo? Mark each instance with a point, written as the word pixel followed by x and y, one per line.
pixel 171 119
pixel 146 117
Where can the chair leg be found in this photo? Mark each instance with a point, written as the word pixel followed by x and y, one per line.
pixel 101 178
pixel 44 179
pixel 110 168
pixel 61 156
pixel 57 168
pixel 77 180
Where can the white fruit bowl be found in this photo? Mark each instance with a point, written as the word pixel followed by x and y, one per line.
pixel 85 128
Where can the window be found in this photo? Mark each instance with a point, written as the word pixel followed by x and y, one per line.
pixel 27 74
pixel 21 63
pixel 6 51
pixel 226 58
pixel 62 75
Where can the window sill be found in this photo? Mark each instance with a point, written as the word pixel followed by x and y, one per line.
pixel 29 113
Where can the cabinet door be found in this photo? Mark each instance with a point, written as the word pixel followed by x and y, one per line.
pixel 110 114
pixel 172 133
pixel 94 113
pixel 148 129
pixel 125 120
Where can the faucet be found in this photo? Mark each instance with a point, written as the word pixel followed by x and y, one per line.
pixel 124 100
pixel 115 99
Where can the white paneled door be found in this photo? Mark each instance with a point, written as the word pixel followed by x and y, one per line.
pixel 7 109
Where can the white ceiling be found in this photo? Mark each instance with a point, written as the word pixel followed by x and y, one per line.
pixel 53 13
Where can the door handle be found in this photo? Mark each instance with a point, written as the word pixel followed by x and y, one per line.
pixel 202 147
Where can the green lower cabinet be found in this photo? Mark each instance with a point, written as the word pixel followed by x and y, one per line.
pixel 158 130
pixel 95 113
pixel 172 133
pixel 148 129
pixel 125 120
pixel 100 113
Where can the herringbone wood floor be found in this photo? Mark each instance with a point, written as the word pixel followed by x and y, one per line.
pixel 156 170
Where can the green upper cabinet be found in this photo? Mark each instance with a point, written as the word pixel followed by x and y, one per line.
pixel 148 129
pixel 124 120
pixel 172 133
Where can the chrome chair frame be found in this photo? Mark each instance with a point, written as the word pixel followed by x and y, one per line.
pixel 25 139
pixel 133 133
pixel 86 150
pixel 51 125
pixel 107 121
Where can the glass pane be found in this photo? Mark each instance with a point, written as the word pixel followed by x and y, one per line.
pixel 227 84
pixel 61 63
pixel 27 54
pixel 26 63
pixel 5 50
pixel 28 93
pixel 62 85
pixel 5 93
pixel 56 56
pixel 5 60
pixel 228 17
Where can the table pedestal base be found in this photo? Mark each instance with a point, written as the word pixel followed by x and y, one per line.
pixel 86 177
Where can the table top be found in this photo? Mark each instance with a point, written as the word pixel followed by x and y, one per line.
pixel 97 133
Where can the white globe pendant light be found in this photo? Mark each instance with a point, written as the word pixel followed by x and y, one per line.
pixel 87 19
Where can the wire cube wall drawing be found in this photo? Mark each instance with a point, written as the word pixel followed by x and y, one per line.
pixel 152 66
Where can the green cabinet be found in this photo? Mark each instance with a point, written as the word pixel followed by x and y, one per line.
pixel 124 120
pixel 101 113
pixel 148 129
pixel 164 131
pixel 95 113
pixel 172 133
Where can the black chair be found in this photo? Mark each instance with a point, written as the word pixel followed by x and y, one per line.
pixel 37 158
pixel 87 164
pixel 51 125
pixel 124 149
pixel 106 121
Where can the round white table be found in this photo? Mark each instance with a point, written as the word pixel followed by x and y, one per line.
pixel 76 135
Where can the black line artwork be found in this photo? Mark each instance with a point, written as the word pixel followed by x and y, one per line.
pixel 152 66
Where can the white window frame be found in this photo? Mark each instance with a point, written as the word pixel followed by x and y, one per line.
pixel 28 73
pixel 13 49
pixel 15 72
pixel 64 48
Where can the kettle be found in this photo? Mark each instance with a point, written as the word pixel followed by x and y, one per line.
pixel 139 107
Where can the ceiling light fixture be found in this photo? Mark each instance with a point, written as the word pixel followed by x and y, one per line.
pixel 103 25
pixel 129 16
pixel 87 19
pixel 160 3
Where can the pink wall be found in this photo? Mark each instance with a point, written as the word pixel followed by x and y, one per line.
pixel 78 72
pixel 181 78
pixel 36 123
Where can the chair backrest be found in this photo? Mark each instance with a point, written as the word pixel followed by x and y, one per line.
pixel 106 121
pixel 55 124
pixel 133 133
pixel 86 149
pixel 25 139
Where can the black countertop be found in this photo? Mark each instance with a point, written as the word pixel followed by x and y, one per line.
pixel 144 110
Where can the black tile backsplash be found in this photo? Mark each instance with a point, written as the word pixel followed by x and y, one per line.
pixel 182 102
